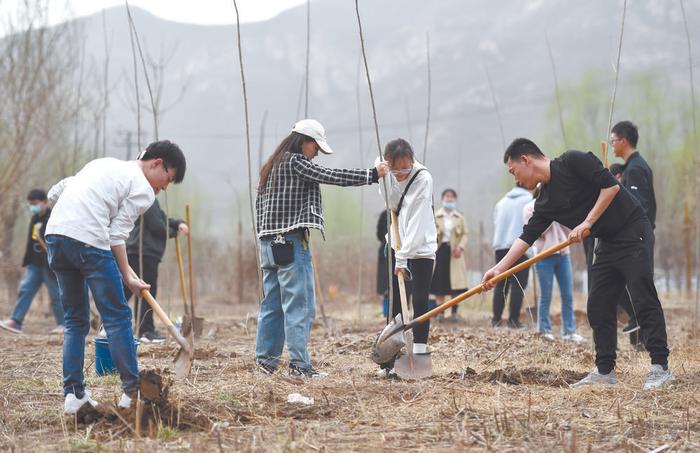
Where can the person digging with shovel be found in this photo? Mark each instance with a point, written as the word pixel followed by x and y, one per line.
pixel 288 203
pixel 93 214
pixel 410 195
pixel 579 193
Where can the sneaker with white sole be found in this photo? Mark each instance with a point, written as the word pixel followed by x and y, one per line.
pixel 125 401
pixel 658 377
pixel 153 337
pixel 58 330
pixel 72 404
pixel 596 378
pixel 309 373
pixel 573 337
pixel 11 326
pixel 547 336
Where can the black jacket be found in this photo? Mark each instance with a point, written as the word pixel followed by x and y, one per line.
pixel 33 253
pixel 154 233
pixel 638 178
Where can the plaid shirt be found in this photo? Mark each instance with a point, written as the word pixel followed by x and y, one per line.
pixel 292 196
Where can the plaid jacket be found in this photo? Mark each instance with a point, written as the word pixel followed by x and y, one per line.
pixel 291 198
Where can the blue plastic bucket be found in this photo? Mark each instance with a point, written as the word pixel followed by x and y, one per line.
pixel 103 359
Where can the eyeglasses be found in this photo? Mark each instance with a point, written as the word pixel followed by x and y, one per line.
pixel 613 140
pixel 401 172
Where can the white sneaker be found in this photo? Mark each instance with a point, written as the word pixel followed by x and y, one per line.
pixel 573 337
pixel 125 401
pixel 58 330
pixel 72 404
pixel 547 336
pixel 595 378
pixel 383 373
pixel 657 377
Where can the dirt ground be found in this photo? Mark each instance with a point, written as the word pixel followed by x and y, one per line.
pixel 492 389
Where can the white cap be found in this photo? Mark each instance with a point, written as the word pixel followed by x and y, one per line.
pixel 313 129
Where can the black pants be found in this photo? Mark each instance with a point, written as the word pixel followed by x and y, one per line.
pixel 422 272
pixel 626 260
pixel 150 276
pixel 509 285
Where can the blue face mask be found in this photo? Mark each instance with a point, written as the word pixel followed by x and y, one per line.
pixel 449 204
pixel 35 208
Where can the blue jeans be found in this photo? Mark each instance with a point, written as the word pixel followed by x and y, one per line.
pixel 560 266
pixel 34 276
pixel 77 267
pixel 289 306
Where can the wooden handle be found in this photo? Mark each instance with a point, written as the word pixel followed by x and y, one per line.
pixel 604 152
pixel 402 283
pixel 189 258
pixel 502 276
pixel 146 294
pixel 181 270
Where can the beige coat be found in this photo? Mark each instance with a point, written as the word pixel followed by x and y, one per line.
pixel 458 238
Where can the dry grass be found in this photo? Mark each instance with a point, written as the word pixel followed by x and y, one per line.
pixel 493 389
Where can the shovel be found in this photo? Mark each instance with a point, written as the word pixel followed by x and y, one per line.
pixel 185 356
pixel 387 344
pixel 409 365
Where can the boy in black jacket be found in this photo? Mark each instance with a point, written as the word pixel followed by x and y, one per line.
pixel 579 193
pixel 36 268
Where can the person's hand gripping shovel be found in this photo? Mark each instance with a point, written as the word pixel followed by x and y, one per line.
pixel 388 345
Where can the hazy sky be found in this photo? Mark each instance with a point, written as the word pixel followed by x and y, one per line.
pixel 190 11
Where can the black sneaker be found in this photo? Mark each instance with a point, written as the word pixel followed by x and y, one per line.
pixel 152 336
pixel 516 325
pixel 265 368
pixel 309 373
pixel 632 326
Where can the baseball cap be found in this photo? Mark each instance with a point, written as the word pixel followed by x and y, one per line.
pixel 313 129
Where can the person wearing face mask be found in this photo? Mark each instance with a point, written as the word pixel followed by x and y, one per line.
pixel 450 274
pixel 36 268
pixel 410 195
pixel 288 203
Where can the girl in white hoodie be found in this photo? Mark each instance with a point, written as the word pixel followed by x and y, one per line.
pixel 410 193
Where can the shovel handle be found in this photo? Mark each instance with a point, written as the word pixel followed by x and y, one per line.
pixel 402 283
pixel 146 294
pixel 502 276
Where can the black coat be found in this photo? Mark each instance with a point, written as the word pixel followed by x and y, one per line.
pixel 155 234
pixel 34 253
pixel 638 178
pixel 382 274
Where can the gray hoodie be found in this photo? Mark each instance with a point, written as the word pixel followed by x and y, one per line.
pixel 508 218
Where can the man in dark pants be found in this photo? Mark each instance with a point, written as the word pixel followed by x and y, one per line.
pixel 507 226
pixel 638 178
pixel 579 193
pixel 155 236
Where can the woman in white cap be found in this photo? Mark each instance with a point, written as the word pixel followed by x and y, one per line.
pixel 287 205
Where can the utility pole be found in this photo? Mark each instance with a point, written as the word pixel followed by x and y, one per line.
pixel 128 142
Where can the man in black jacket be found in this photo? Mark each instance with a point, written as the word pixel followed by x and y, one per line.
pixel 638 178
pixel 155 235
pixel 36 267
pixel 579 193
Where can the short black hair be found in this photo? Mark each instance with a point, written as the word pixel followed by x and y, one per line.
pixel 627 129
pixel 521 147
pixel 398 148
pixel 446 191
pixel 171 154
pixel 616 168
pixel 37 194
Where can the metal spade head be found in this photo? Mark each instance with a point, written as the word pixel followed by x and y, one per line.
pixel 184 359
pixel 389 342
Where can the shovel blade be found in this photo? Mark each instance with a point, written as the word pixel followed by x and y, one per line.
pixel 389 344
pixel 414 366
pixel 183 363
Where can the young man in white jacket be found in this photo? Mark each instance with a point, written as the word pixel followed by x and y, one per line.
pixel 94 212
pixel 410 188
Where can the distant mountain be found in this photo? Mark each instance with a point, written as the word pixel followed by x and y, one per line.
pixel 466 36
